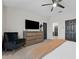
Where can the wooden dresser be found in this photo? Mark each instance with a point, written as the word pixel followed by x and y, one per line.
pixel 33 37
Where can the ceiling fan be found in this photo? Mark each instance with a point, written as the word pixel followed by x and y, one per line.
pixel 55 3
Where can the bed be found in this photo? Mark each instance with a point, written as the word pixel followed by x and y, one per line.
pixel 49 49
pixel 66 51
pixel 54 49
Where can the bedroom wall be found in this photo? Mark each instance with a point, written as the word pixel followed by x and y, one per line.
pixel 14 19
pixel 60 19
pixel 4 19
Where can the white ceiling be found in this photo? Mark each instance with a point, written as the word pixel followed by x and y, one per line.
pixel 35 6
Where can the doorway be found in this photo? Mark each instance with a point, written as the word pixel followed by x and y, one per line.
pixel 55 29
pixel 45 30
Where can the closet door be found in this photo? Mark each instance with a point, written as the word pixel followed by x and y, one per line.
pixel 70 30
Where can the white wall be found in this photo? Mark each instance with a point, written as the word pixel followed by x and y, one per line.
pixel 14 19
pixel 4 19
pixel 60 19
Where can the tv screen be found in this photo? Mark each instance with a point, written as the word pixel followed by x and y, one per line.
pixel 31 24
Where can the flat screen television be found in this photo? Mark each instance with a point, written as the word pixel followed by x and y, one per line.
pixel 31 24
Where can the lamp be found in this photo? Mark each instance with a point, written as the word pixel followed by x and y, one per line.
pixel 55 4
pixel 41 27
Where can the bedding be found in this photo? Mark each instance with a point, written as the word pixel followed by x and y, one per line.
pixel 44 49
pixel 63 50
pixel 66 51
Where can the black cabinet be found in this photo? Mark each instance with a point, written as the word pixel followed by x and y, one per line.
pixel 70 30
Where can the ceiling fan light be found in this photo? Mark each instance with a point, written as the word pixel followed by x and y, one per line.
pixel 55 4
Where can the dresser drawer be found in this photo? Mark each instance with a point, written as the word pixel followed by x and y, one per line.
pixel 33 37
pixel 31 42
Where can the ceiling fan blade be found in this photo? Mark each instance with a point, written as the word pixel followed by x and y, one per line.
pixel 59 5
pixel 52 9
pixel 59 0
pixel 53 1
pixel 46 4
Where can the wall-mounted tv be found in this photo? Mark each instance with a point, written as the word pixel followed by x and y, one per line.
pixel 29 24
